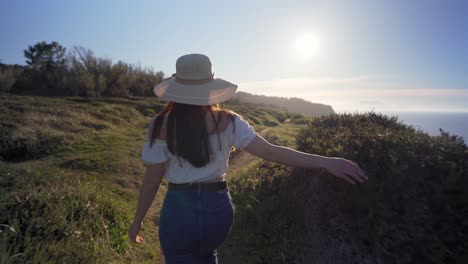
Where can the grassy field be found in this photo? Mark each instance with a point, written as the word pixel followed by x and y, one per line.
pixel 70 175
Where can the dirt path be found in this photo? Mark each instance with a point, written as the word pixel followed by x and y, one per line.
pixel 244 158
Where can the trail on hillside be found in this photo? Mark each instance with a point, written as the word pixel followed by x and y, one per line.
pixel 244 158
pixel 230 252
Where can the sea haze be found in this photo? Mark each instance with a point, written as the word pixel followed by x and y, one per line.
pixel 430 122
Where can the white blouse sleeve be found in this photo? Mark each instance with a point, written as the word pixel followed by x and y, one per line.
pixel 243 133
pixel 154 154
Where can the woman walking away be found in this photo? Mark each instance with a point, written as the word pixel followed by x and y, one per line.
pixel 190 142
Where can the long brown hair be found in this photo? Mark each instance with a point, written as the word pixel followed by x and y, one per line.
pixel 187 135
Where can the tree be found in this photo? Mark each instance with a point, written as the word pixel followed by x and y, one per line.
pixel 45 56
pixel 51 71
pixel 47 73
pixel 90 74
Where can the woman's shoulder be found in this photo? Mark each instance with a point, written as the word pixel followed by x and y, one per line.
pixel 234 117
pixel 236 122
pixel 229 114
pixel 222 119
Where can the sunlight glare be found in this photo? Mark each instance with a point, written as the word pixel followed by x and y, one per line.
pixel 306 46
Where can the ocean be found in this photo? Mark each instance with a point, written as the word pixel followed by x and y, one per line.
pixel 430 122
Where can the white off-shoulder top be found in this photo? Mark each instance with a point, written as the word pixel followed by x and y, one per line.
pixel 238 136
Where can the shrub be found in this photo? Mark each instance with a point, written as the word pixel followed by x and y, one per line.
pixel 7 79
pixel 281 117
pixel 299 119
pixel 412 209
pixel 270 123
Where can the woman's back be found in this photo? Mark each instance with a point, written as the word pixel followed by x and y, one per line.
pixel 237 133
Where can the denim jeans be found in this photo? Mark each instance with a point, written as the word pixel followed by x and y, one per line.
pixel 194 224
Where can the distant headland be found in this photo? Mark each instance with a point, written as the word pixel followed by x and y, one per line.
pixel 296 105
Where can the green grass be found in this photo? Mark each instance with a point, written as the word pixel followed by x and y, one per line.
pixel 58 216
pixel 71 170
pixel 81 190
pixel 259 116
pixel 284 135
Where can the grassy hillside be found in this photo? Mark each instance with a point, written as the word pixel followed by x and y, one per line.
pixel 70 170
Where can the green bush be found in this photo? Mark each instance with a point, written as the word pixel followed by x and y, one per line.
pixel 270 123
pixel 299 119
pixel 281 117
pixel 413 207
pixel 266 225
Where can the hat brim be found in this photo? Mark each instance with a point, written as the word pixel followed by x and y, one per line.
pixel 213 92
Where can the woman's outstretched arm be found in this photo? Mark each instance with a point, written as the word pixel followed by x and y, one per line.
pixel 148 190
pixel 341 168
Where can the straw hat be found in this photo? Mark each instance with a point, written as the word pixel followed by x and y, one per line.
pixel 194 83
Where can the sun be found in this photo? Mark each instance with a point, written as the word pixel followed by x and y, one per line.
pixel 306 46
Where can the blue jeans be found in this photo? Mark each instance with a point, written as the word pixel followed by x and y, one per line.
pixel 192 225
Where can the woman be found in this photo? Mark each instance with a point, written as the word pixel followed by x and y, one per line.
pixel 190 142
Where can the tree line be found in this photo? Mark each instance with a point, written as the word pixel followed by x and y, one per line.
pixel 51 70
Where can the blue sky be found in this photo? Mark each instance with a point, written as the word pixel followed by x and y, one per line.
pixel 380 55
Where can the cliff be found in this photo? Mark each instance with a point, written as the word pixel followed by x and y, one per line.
pixel 296 105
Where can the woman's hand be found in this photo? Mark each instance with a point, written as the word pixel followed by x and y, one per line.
pixel 346 170
pixel 134 230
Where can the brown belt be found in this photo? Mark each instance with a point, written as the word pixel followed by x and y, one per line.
pixel 199 186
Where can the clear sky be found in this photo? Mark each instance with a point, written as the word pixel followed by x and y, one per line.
pixel 394 55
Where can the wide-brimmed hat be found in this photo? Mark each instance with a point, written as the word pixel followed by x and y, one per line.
pixel 194 83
